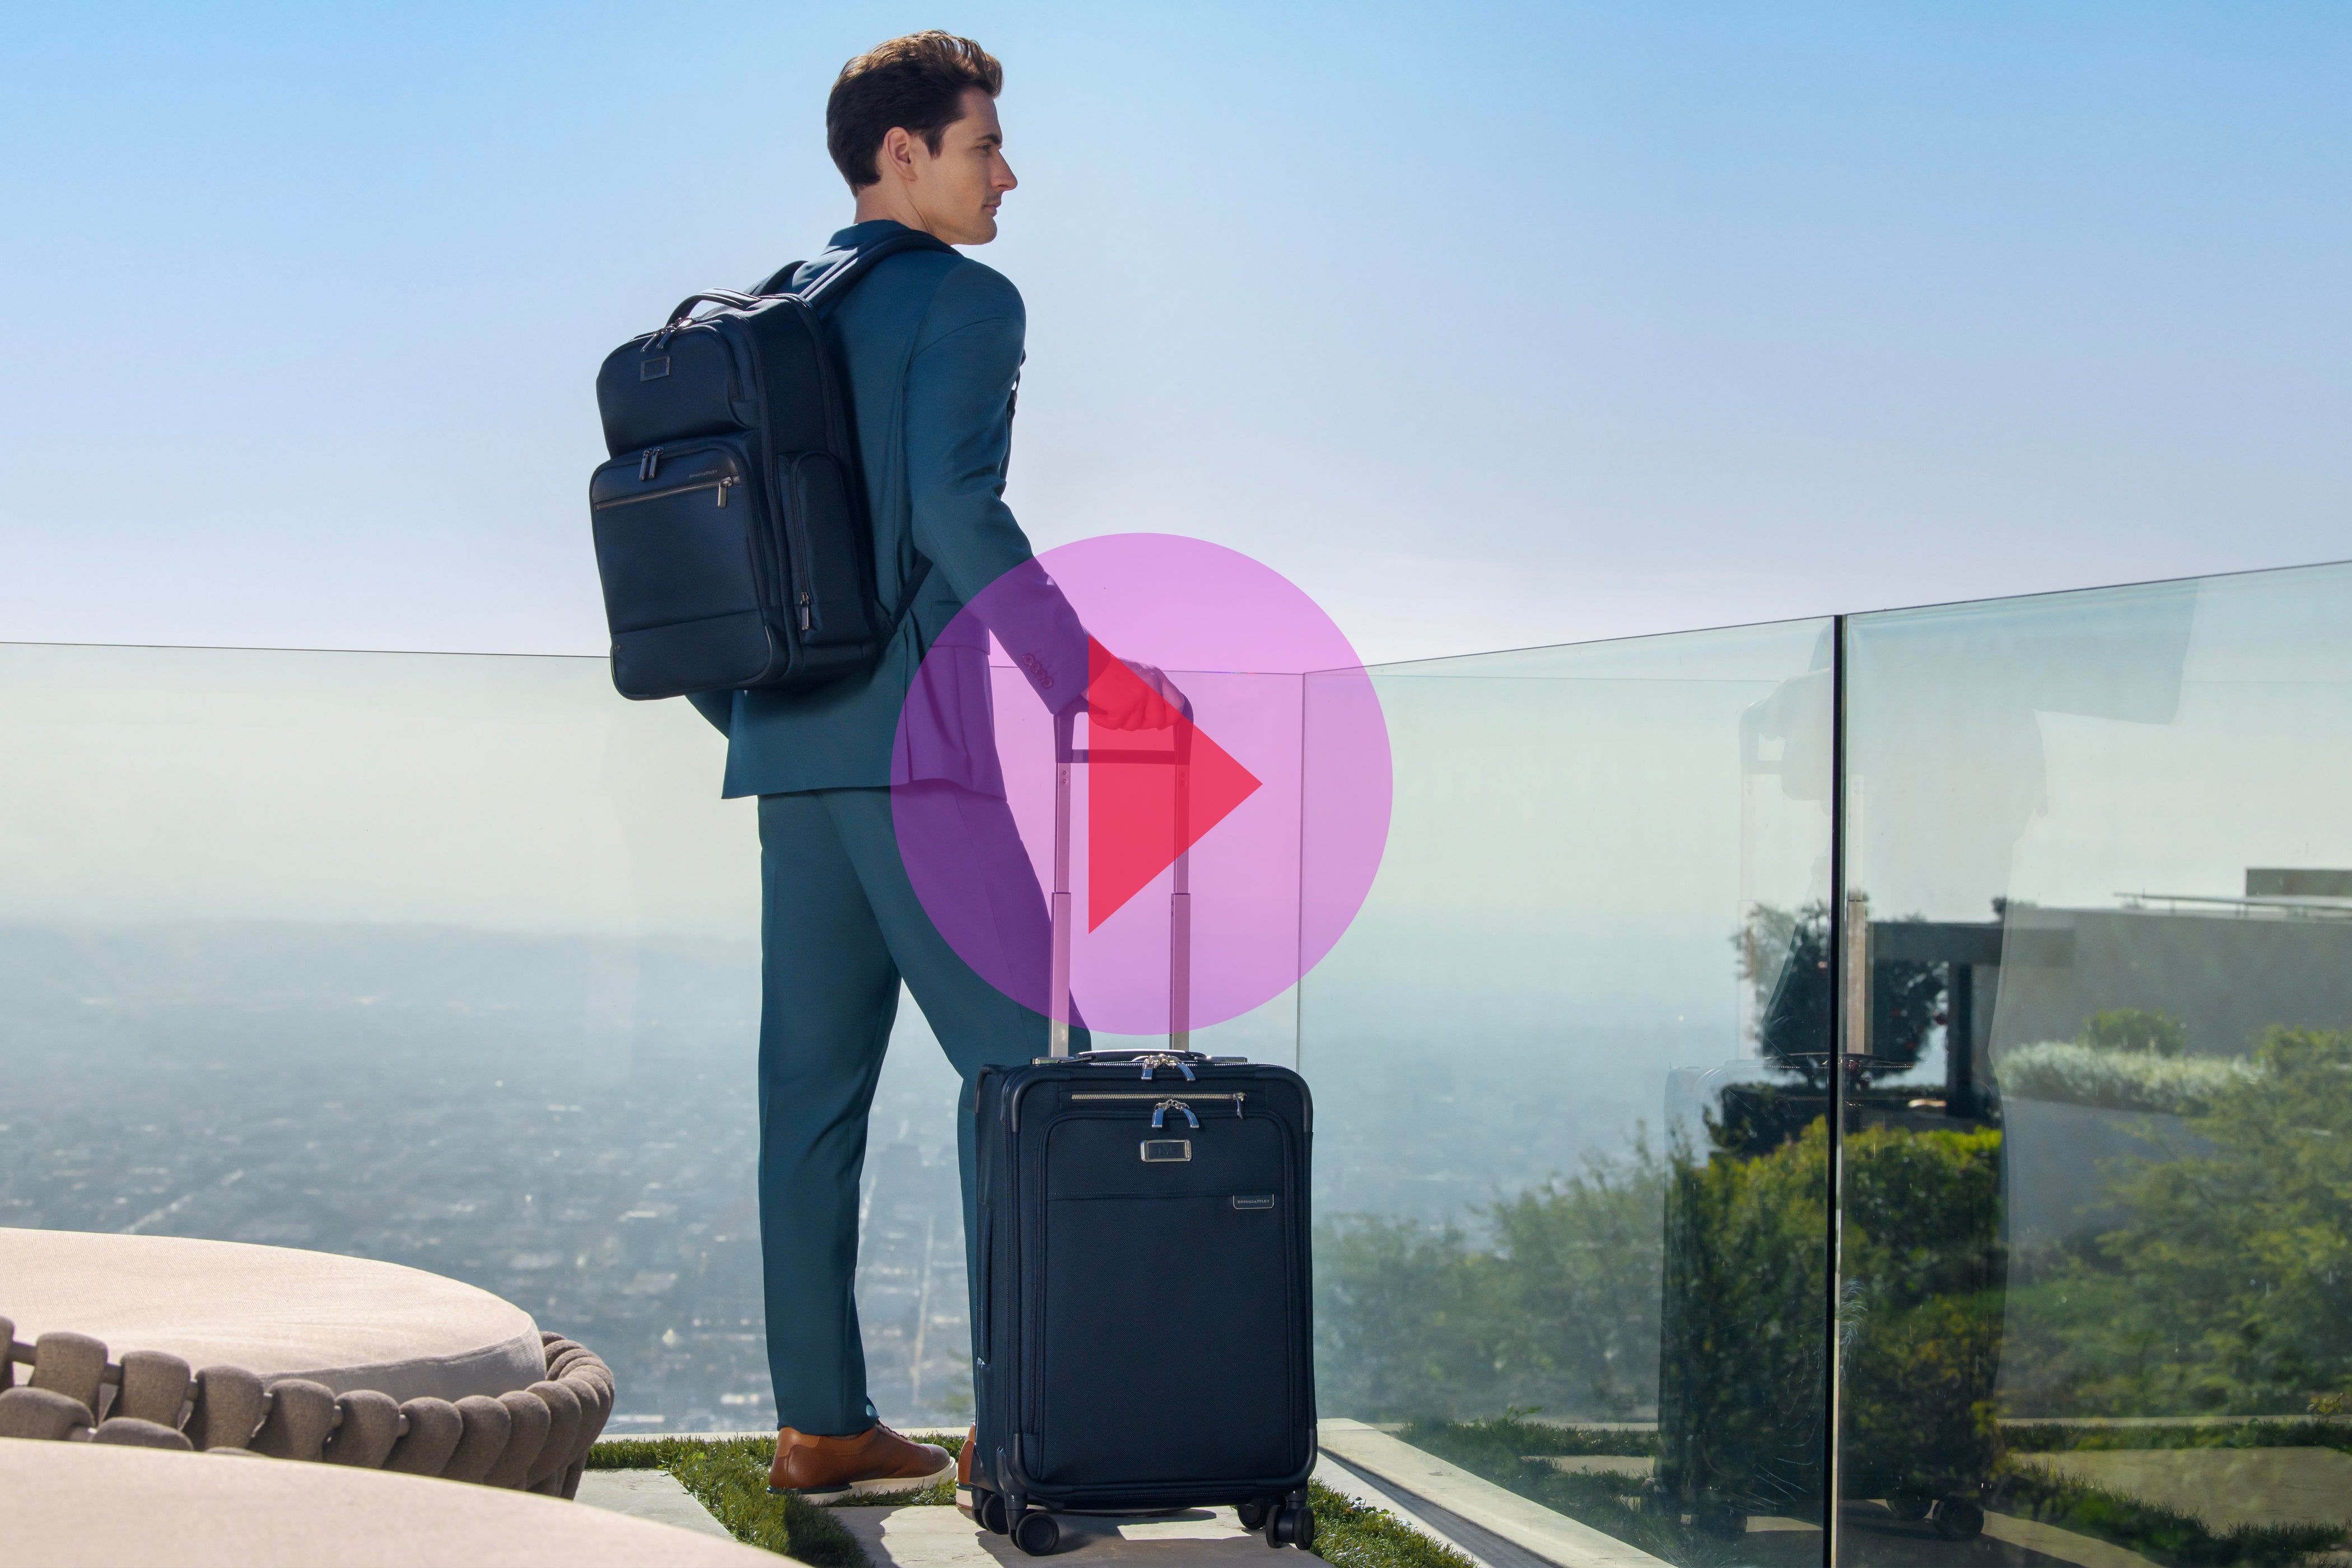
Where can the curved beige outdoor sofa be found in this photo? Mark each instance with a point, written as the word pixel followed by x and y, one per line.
pixel 167 1343
pixel 128 1508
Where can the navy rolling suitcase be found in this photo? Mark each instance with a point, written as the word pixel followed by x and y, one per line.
pixel 1145 1338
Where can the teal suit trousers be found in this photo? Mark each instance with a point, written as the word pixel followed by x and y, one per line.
pixel 841 926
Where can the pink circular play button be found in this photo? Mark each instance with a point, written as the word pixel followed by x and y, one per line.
pixel 1212 748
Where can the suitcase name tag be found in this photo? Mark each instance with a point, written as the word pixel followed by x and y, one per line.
pixel 1159 1150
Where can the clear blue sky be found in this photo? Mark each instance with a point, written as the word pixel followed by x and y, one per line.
pixel 1486 324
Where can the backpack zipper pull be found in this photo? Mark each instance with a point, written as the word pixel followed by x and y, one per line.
pixel 805 610
pixel 722 489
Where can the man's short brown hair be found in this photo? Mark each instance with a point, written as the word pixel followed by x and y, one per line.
pixel 917 83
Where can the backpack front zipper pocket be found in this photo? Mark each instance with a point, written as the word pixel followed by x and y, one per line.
pixel 680 528
pixel 829 580
pixel 721 485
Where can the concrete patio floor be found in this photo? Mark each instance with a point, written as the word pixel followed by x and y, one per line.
pixel 1498 1529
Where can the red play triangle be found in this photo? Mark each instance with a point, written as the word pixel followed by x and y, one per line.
pixel 1133 806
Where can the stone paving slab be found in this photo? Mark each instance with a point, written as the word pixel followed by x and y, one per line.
pixel 654 1495
pixel 2064 1545
pixel 929 1536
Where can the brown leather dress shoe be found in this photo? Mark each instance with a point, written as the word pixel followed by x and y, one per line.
pixel 825 1469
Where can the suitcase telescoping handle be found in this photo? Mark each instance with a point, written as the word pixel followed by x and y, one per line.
pixel 1180 905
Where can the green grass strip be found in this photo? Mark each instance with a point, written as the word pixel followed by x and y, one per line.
pixel 1513 1433
pixel 728 1475
pixel 2171 1536
pixel 1352 1535
pixel 2052 1437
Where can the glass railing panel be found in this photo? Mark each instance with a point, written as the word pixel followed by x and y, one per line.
pixel 1571 1168
pixel 2096 1222
pixel 454 961
pixel 445 959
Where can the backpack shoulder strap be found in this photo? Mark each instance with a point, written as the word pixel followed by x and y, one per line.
pixel 829 287
pixel 780 281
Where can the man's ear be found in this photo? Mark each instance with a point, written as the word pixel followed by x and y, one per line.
pixel 896 155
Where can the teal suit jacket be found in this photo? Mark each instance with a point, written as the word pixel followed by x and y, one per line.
pixel 931 342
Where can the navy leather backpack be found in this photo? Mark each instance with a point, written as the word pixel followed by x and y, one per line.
pixel 731 526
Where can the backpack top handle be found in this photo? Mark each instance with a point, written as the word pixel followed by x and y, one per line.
pixel 714 295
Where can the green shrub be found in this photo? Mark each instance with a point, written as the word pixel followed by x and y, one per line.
pixel 2135 1029
pixel 1742 1379
pixel 1921 1322
pixel 2071 1072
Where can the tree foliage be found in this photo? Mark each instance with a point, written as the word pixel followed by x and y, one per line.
pixel 2228 1287
pixel 1548 1297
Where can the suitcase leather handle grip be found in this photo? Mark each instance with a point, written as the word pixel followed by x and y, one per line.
pixel 1130 1056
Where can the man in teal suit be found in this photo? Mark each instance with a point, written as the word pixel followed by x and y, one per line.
pixel 932 344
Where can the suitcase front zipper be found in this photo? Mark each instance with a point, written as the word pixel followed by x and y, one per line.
pixel 1163 1103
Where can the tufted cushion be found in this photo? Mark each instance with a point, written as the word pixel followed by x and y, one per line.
pixel 82 1503
pixel 347 1322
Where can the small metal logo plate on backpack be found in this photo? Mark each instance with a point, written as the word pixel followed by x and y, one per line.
pixel 653 369
pixel 1156 1149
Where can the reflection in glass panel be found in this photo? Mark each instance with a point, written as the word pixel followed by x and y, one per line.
pixel 2098 1178
pixel 1570 1138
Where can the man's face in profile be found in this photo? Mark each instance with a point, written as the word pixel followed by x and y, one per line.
pixel 957 189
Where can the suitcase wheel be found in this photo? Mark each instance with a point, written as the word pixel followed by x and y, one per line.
pixel 1252 1513
pixel 1957 1518
pixel 1725 1521
pixel 1291 1525
pixel 985 1509
pixel 1036 1534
